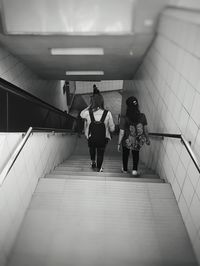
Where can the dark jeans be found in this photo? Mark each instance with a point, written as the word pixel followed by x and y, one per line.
pixel 100 154
pixel 97 152
pixel 125 156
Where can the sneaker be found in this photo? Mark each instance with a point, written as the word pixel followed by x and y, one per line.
pixel 100 170
pixel 93 165
pixel 134 173
pixel 123 171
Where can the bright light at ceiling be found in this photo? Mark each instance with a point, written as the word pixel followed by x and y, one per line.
pixel 148 22
pixel 73 17
pixel 70 73
pixel 77 51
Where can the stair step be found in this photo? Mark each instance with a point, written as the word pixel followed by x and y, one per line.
pixel 80 166
pixel 108 174
pixel 105 166
pixel 83 170
pixel 82 156
pixel 77 166
pixel 107 178
pixel 81 161
pixel 87 162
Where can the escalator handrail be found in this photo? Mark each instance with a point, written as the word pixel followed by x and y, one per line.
pixel 56 130
pixel 185 143
pixel 9 87
pixel 20 146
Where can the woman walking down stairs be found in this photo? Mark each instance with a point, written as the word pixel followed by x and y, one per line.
pixel 83 218
pixel 78 166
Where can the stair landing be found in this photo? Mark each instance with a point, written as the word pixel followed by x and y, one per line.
pixel 109 223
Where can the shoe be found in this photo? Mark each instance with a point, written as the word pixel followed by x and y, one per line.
pixel 123 171
pixel 100 170
pixel 134 173
pixel 93 164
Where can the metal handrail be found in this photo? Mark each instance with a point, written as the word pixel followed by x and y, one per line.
pixel 185 143
pixel 14 156
pixel 17 151
pixel 47 129
pixel 20 146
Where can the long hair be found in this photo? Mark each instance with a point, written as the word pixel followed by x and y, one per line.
pixel 97 102
pixel 133 111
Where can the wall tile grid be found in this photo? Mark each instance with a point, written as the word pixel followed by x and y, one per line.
pixel 105 85
pixel 8 143
pixel 194 4
pixel 39 156
pixel 168 88
pixel 17 73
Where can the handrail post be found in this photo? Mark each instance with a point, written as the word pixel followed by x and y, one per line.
pixel 14 156
pixel 191 153
pixel 186 143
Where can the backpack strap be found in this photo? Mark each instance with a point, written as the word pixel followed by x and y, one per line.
pixel 91 116
pixel 104 116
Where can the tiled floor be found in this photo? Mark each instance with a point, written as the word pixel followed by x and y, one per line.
pixel 102 223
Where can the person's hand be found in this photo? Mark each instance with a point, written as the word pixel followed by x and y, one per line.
pixel 119 148
pixel 148 142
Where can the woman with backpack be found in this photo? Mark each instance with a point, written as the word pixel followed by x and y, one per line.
pixel 98 125
pixel 133 134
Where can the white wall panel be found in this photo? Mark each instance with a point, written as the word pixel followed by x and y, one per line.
pixel 38 157
pixel 167 86
pixel 83 87
pixel 15 72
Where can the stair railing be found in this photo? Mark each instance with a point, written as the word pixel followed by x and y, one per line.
pixel 186 144
pixel 20 146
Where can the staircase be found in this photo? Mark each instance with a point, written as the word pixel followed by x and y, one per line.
pixel 78 217
pixel 78 166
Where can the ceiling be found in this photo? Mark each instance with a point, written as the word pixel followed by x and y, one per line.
pixel 125 31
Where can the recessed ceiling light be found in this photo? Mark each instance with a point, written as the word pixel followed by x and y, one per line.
pixel 148 22
pixel 69 73
pixel 77 51
pixel 131 52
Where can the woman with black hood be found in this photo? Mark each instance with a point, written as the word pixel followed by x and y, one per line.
pixel 133 134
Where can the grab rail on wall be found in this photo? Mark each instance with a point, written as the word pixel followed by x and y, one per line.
pixel 20 146
pixel 184 142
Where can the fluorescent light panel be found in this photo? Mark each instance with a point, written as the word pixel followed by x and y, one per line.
pixel 77 51
pixel 70 73
pixel 69 17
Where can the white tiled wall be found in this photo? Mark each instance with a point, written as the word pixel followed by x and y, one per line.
pixel 168 88
pixel 8 143
pixel 39 156
pixel 105 85
pixel 15 72
pixel 186 4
